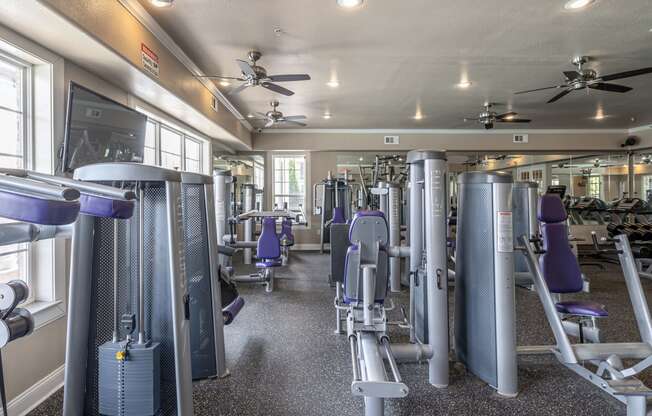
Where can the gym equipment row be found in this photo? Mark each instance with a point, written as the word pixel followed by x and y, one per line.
pixel 488 241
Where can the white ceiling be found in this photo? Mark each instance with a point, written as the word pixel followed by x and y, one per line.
pixel 392 57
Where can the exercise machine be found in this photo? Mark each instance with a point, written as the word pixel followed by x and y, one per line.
pixel 365 284
pixel 602 364
pixel 389 196
pixel 332 202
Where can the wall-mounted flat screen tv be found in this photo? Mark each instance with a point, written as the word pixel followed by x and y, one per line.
pixel 99 129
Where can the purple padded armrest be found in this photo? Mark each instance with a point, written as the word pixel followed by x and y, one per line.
pixel 98 206
pixel 37 210
pixel 269 246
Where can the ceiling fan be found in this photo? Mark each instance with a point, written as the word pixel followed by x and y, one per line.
pixel 276 117
pixel 488 117
pixel 255 75
pixel 589 79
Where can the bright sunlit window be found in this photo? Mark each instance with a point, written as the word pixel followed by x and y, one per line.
pixel 290 181
pixel 170 148
pixel 14 153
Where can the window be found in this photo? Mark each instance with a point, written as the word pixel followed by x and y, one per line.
pixel 290 181
pixel 192 155
pixel 171 148
pixel 14 121
pixel 150 144
pixel 595 187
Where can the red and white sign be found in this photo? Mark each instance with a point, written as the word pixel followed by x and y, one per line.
pixel 150 60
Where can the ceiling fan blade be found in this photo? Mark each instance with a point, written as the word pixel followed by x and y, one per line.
pixel 540 89
pixel 277 88
pixel 609 87
pixel 558 96
pixel 219 77
pixel 289 77
pixel 295 117
pixel 470 119
pixel 238 89
pixel 514 120
pixel 571 75
pixel 510 114
pixel 627 74
pixel 246 68
pixel 296 123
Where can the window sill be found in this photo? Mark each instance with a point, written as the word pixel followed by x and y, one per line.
pixel 45 312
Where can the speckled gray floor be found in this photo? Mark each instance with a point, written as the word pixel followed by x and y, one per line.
pixel 285 359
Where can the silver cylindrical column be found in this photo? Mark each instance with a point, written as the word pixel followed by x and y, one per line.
pixel 222 190
pixel 415 234
pixel 390 205
pixel 248 204
pixel 435 210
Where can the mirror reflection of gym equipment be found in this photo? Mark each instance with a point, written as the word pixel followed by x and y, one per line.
pixel 343 207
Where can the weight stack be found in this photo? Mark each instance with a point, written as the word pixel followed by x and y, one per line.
pixel 129 387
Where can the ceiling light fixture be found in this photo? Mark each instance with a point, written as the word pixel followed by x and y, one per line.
pixel 333 83
pixel 225 83
pixel 327 116
pixel 418 116
pixel 349 4
pixel 250 116
pixel 577 4
pixel 464 84
pixel 599 114
pixel 162 3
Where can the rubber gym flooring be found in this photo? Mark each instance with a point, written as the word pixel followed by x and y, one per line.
pixel 285 360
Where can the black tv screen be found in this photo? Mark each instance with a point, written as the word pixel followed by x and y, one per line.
pixel 99 129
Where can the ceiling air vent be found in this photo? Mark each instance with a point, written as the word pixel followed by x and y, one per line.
pixel 391 139
pixel 520 138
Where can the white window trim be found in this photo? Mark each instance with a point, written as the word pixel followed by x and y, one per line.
pixel 46 125
pixel 307 209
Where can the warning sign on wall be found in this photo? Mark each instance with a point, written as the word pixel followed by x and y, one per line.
pixel 150 60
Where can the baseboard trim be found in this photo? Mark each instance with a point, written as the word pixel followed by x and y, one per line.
pixel 36 394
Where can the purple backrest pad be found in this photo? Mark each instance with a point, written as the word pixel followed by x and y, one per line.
pixel 269 246
pixel 559 265
pixel 364 213
pixel 286 228
pixel 338 216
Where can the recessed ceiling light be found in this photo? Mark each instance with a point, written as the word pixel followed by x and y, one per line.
pixel 464 84
pixel 225 83
pixel 361 159
pixel 349 4
pixel 162 3
pixel 327 116
pixel 418 116
pixel 333 83
pixel 577 4
pixel 250 116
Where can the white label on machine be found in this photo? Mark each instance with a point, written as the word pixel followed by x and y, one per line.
pixel 505 230
pixel 150 60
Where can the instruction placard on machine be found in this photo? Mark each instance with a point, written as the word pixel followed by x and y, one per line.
pixel 505 232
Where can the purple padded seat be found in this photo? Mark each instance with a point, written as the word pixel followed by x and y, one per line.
pixel 98 206
pixel 36 209
pixel 286 230
pixel 269 246
pixel 558 264
pixel 582 308
pixel 338 216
